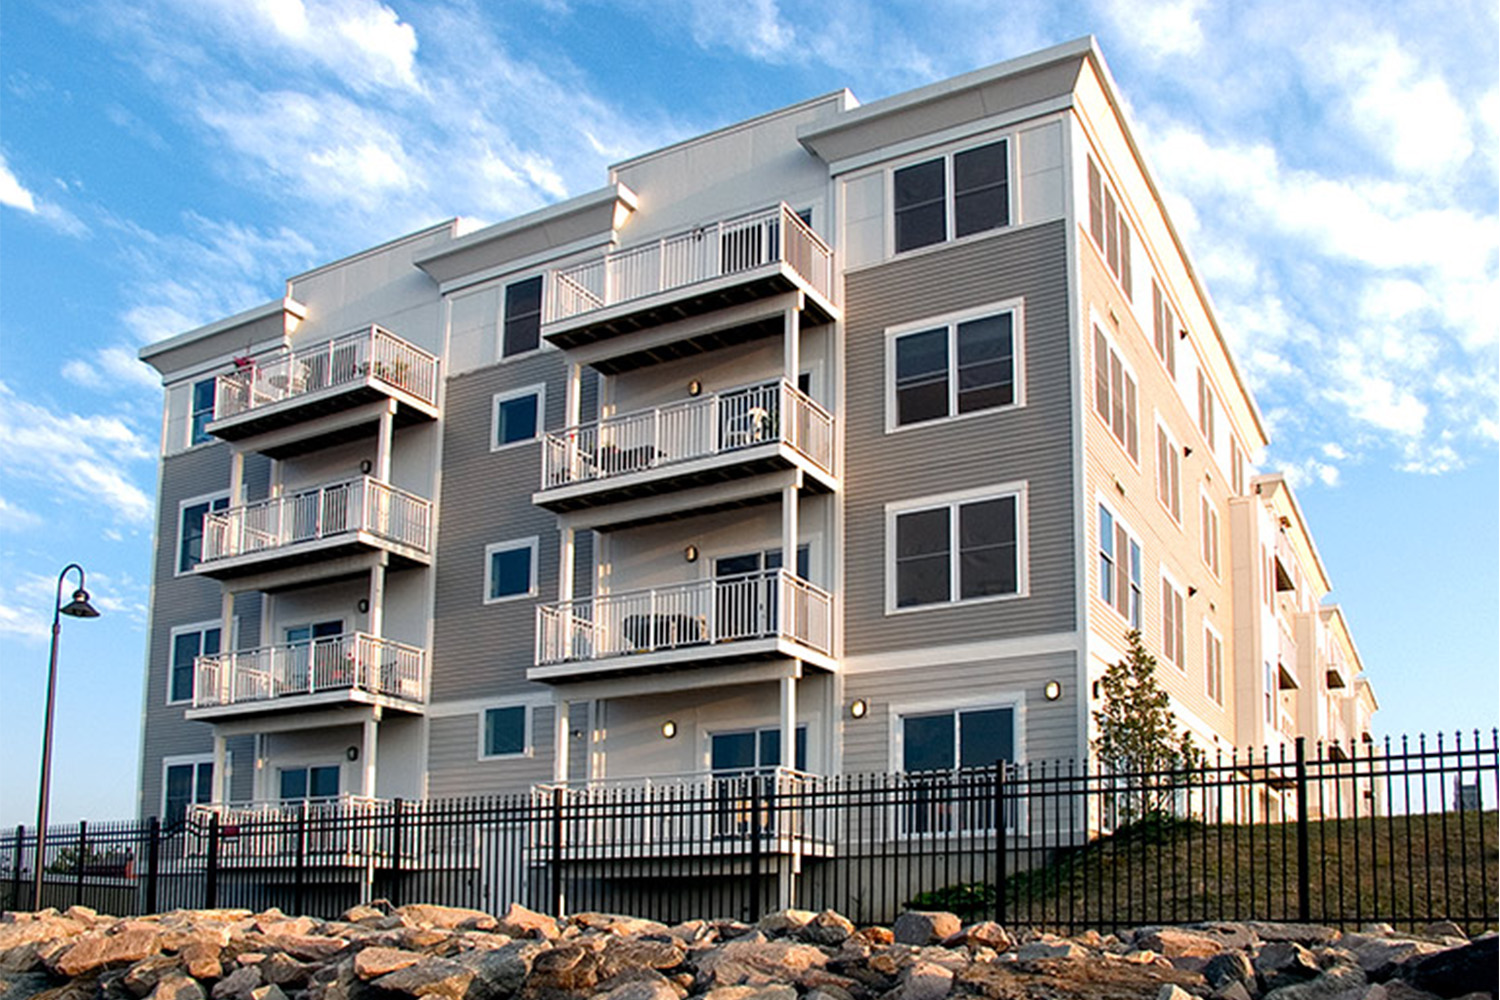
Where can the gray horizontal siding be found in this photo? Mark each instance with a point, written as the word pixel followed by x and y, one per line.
pixel 1032 443
pixel 454 767
pixel 182 600
pixel 1050 727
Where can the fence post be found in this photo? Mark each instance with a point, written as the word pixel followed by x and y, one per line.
pixel 755 847
pixel 301 864
pixel 15 879
pixel 78 862
pixel 1304 881
pixel 558 899
pixel 211 867
pixel 396 838
pixel 153 859
pixel 1000 854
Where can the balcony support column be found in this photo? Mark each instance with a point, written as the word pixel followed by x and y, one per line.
pixel 565 563
pixel 384 441
pixel 788 720
pixel 789 534
pixel 573 395
pixel 236 478
pixel 793 342
pixel 219 792
pixel 559 739
pixel 367 753
pixel 375 623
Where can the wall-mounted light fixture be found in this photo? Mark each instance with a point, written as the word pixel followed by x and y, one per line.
pixel 1095 689
pixel 365 467
pixel 859 708
pixel 363 605
pixel 695 388
pixel 352 753
pixel 669 729
pixel 690 553
pixel 1052 691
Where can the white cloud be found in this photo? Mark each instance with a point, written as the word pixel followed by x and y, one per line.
pixel 13 193
pixel 16 195
pixel 1160 29
pixel 13 518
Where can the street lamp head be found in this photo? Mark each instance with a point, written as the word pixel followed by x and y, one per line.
pixel 80 607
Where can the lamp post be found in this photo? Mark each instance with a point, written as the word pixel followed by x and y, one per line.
pixel 78 607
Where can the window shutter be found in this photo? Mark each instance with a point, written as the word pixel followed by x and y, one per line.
pixel 1122 571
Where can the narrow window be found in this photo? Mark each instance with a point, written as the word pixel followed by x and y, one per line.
pixel 920 200
pixel 1206 408
pixel 1115 398
pixel 922 569
pixel 1172 606
pixel 986 363
pixel 987 548
pixel 203 410
pixel 517 416
pixel 1210 527
pixel 510 570
pixel 922 376
pixel 1096 204
pixel 1121 566
pixel 1164 327
pixel 1213 664
pixel 190 531
pixel 1168 473
pixel 523 317
pixel 981 198
pixel 187 647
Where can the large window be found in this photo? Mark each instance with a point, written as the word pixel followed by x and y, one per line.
pixel 505 731
pixel 1115 395
pixel 189 643
pixel 1173 607
pixel 186 781
pixel 510 570
pixel 1108 227
pixel 1213 664
pixel 1164 329
pixel 955 549
pixel 518 416
pixel 746 751
pixel 522 330
pixel 203 410
pixel 190 529
pixel 979 180
pixel 943 741
pixel 955 366
pixel 1120 567
pixel 1168 473
pixel 319 781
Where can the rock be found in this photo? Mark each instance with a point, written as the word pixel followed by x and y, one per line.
pixel 1343 981
pixel 1438 929
pixel 986 934
pixel 1175 943
pixel 875 935
pixel 435 977
pixel 925 981
pixel 280 926
pixel 310 947
pixel 371 963
pixel 1306 935
pixel 616 924
pixel 447 917
pixel 1040 951
pixel 646 990
pixel 1227 933
pixel 284 970
pixel 1457 971
pixel 1232 991
pixel 1380 957
pixel 142 977
pixel 774 992
pixel 828 928
pixel 361 913
pixel 82 913
pixel 1228 967
pixel 784 921
pixel 178 987
pixel 1283 963
pixel 97 950
pixel 747 961
pixel 1171 991
pixel 239 984
pixel 500 972
pixel 202 960
pixel 923 927
pixel 620 955
pixel 268 992
pixel 565 967
pixel 520 922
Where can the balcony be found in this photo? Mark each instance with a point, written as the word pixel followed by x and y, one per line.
pixel 353 668
pixel 725 263
pixel 766 615
pixel 329 522
pixel 728 435
pixel 349 831
pixel 320 380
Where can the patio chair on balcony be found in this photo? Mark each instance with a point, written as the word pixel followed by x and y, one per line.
pixel 750 427
pixel 663 631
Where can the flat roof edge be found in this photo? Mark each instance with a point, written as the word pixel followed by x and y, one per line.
pixel 536 217
pixel 286 304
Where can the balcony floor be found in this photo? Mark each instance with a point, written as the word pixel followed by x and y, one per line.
pixel 314 406
pixel 741 651
pixel 304 702
pixel 332 551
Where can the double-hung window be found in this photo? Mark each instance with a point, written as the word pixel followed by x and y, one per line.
pixel 926 213
pixel 203 410
pixel 956 365
pixel 1164 329
pixel 186 781
pixel 1115 395
pixel 190 529
pixel 949 549
pixel 522 329
pixel 933 743
pixel 319 781
pixel 1213 664
pixel 1206 408
pixel 188 643
pixel 1107 226
pixel 1209 525
pixel 1120 567
pixel 517 416
pixel 1173 607
pixel 510 570
pixel 1236 466
pixel 505 731
pixel 1168 473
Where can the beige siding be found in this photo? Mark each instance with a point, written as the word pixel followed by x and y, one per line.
pixel 1030 443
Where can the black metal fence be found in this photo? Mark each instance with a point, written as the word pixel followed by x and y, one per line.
pixel 1403 833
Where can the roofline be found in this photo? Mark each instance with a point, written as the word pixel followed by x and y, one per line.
pixel 843 95
pixel 451 225
pixel 599 196
pixel 1280 480
pixel 287 304
pixel 1337 611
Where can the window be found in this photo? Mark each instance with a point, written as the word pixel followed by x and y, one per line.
pixel 203 410
pixel 1115 395
pixel 190 529
pixel 510 570
pixel 1206 407
pixel 1108 227
pixel 518 416
pixel 747 750
pixel 943 741
pixel 1213 664
pixel 1270 694
pixel 952 368
pixel 505 731
pixel 522 329
pixel 186 781
pixel 1267 577
pixel 1236 466
pixel 980 182
pixel 1210 525
pixel 1172 619
pixel 1164 328
pixel 315 782
pixel 1119 568
pixel 189 643
pixel 922 536
pixel 1168 473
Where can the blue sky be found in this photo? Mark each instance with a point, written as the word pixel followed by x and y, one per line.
pixel 164 163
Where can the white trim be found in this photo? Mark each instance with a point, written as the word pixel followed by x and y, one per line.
pixel 953 501
pixel 946 152
pixel 200 628
pixel 1016 307
pixel 528 746
pixel 539 390
pixel 511 545
pixel 182 505
pixel 940 655
pixel 1098 548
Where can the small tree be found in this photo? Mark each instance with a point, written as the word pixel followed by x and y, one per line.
pixel 1138 740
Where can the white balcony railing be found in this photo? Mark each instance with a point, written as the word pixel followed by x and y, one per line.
pixel 369 353
pixel 693 429
pixel 356 505
pixel 770 236
pixel 353 661
pixel 701 613
pixel 340 831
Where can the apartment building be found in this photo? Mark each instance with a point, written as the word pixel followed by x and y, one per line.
pixel 850 437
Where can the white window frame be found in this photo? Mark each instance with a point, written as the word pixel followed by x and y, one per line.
pixel 1174 449
pixel 1210 548
pixel 532 543
pixel 1208 409
pixel 200 628
pixel 1098 550
pixel 306 762
pixel 1017 309
pixel 182 506
pixel 541 341
pixel 528 748
pixel 1213 639
pixel 1236 465
pixel 193 385
pixel 539 390
pixel 949 221
pixel 1128 372
pixel 183 760
pixel 953 501
pixel 1162 311
pixel 1168 580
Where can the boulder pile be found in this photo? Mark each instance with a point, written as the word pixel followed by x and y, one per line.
pixel 377 952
